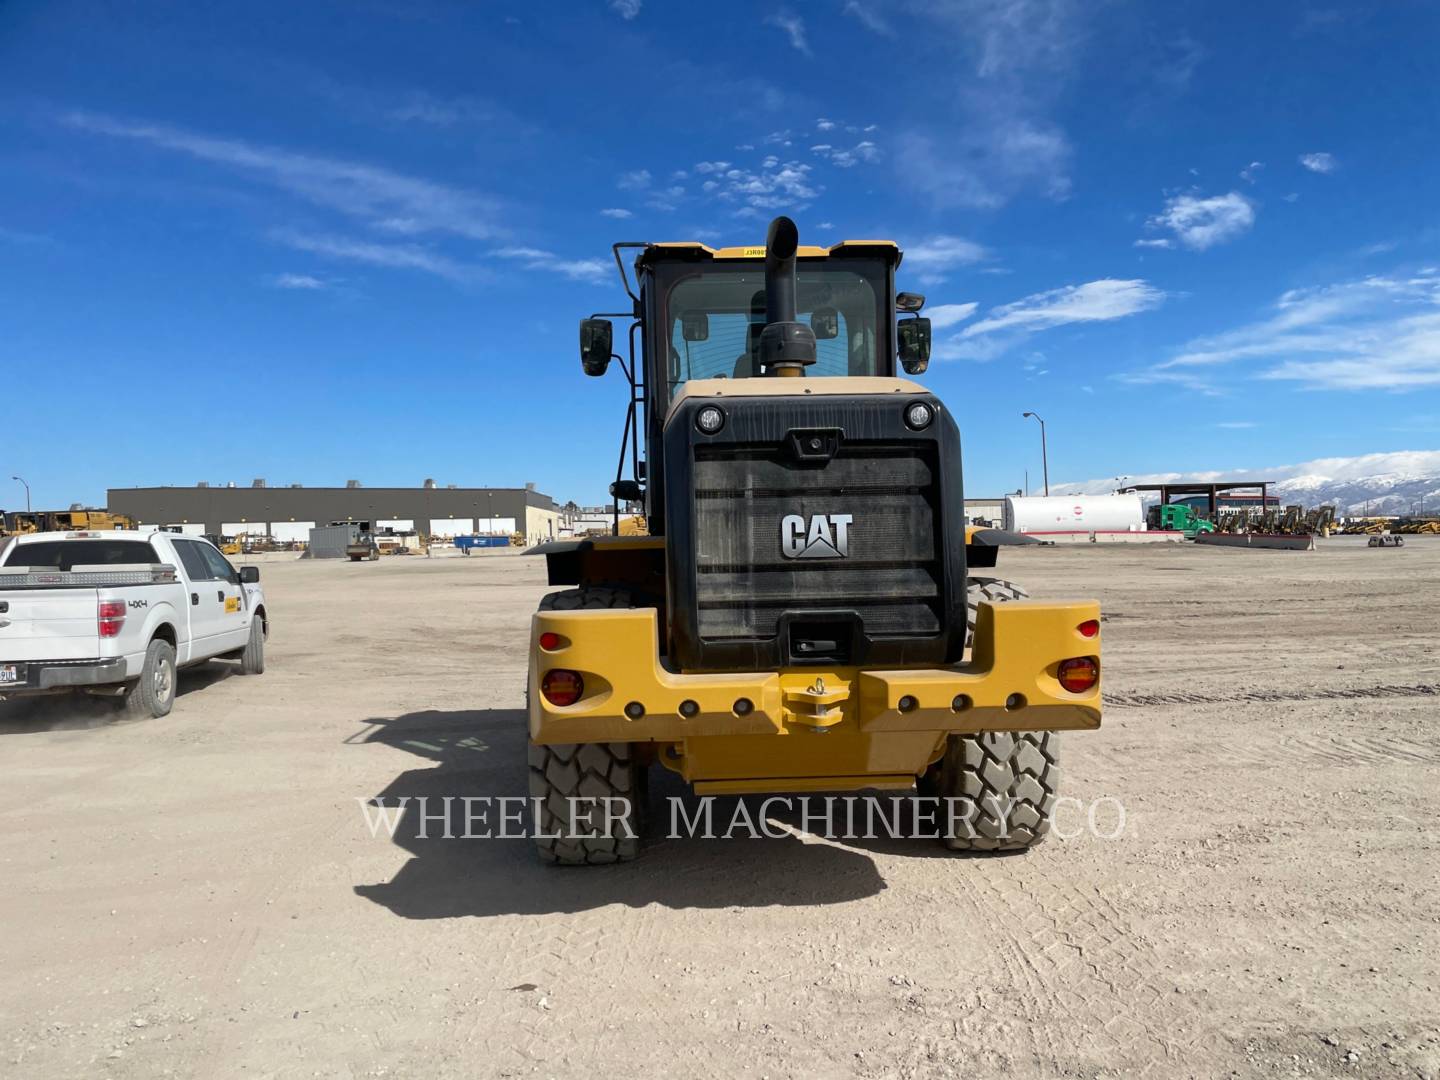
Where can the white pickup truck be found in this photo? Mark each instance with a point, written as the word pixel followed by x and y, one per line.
pixel 116 613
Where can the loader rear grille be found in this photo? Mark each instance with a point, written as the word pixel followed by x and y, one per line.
pixel 891 575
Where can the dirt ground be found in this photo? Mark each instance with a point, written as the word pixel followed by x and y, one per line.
pixel 201 895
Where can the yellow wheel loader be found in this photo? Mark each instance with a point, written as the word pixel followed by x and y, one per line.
pixel 802 616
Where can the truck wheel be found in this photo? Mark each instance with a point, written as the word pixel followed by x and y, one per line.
pixel 153 694
pixel 252 658
pixel 588 801
pixel 1004 783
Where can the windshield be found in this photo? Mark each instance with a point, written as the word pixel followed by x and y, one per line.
pixel 713 319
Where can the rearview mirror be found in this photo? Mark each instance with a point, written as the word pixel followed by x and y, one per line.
pixel 595 345
pixel 249 575
pixel 909 302
pixel 825 322
pixel 627 491
pixel 914 349
pixel 695 326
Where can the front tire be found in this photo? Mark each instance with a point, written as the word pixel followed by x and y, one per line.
pixel 153 694
pixel 1004 783
pixel 252 657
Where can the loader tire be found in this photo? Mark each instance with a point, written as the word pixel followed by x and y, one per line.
pixel 588 802
pixel 598 771
pixel 1004 783
pixel 594 596
pixel 996 590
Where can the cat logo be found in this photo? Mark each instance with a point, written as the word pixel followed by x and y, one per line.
pixel 826 537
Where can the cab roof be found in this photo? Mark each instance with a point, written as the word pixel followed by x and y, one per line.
pixel 692 250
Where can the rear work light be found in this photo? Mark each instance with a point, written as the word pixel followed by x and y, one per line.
pixel 111 617
pixel 1078 674
pixel 561 687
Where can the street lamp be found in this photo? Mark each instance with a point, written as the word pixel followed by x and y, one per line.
pixel 1044 459
pixel 27 491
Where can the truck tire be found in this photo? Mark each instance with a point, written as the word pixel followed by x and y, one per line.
pixel 252 657
pixel 1004 783
pixel 598 771
pixel 153 694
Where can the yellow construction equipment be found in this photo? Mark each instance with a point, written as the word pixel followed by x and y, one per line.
pixel 802 616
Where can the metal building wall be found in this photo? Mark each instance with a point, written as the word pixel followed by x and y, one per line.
pixel 214 506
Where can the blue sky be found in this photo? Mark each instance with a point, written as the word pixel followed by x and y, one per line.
pixel 317 241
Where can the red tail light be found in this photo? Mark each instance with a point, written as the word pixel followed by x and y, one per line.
pixel 1089 628
pixel 561 687
pixel 549 641
pixel 1078 674
pixel 111 617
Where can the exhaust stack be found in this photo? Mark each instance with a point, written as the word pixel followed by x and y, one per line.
pixel 787 346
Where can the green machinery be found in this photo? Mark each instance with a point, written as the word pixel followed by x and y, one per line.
pixel 1180 517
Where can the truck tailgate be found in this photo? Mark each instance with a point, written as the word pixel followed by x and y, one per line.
pixel 49 624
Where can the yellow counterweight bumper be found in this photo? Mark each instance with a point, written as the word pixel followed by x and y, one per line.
pixel 881 728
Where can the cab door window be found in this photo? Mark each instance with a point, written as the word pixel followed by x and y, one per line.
pixel 220 568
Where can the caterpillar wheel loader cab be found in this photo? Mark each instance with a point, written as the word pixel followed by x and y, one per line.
pixel 801 616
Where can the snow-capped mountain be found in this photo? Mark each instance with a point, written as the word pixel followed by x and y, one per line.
pixel 1393 483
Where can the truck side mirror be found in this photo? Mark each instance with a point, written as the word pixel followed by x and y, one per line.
pixel 249 575
pixel 914 335
pixel 627 491
pixel 595 345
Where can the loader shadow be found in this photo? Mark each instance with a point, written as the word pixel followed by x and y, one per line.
pixel 481 754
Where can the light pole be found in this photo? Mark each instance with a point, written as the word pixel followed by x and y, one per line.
pixel 27 491
pixel 1044 458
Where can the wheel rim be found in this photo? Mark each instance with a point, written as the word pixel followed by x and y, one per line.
pixel 164 681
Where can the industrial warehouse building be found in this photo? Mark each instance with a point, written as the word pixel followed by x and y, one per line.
pixel 289 513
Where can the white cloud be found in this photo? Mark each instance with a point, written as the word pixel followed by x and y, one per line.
pixel 589 270
pixel 626 9
pixel 1095 301
pixel 617 212
pixel 824 125
pixel 1201 223
pixel 1249 173
pixel 367 192
pixel 865 151
pixel 297 281
pixel 869 18
pixel 1320 163
pixel 943 315
pixel 392 256
pixel 1006 326
pixel 775 185
pixel 932 258
pixel 1372 333
pixel 637 180
pixel 1159 243
pixel 1237 425
pixel 794 28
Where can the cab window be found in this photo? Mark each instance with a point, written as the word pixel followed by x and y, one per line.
pixel 714 316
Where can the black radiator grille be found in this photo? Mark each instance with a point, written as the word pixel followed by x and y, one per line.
pixel 891 575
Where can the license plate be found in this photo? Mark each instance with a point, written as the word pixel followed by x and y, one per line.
pixel 11 674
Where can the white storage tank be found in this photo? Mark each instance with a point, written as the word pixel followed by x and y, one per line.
pixel 1074 513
